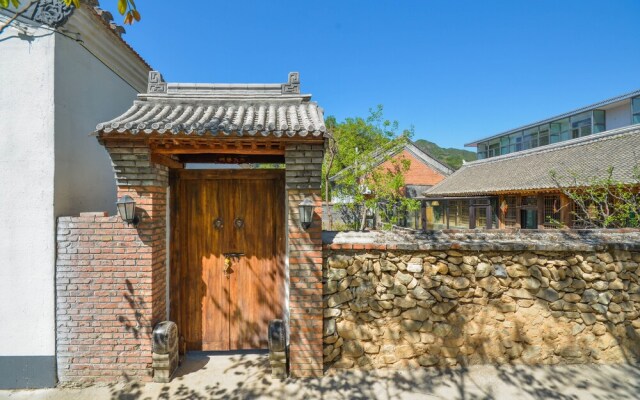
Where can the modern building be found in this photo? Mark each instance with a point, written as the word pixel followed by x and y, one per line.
pixel 597 118
pixel 511 184
pixel 63 71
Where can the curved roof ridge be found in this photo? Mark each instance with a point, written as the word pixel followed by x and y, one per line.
pixel 220 109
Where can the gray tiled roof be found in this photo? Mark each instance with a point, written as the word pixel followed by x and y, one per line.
pixel 221 109
pixel 584 158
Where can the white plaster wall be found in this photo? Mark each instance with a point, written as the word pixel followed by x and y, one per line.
pixel 87 93
pixel 618 116
pixel 27 235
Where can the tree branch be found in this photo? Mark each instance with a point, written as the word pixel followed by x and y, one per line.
pixel 17 14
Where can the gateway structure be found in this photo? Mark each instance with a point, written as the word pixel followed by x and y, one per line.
pixel 221 252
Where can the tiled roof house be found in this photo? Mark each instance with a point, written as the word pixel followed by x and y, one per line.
pixel 513 179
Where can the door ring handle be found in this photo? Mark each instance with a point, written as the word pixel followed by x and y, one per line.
pixel 217 223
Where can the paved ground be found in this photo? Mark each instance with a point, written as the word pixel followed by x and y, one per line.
pixel 245 376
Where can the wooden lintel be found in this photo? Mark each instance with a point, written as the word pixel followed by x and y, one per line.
pixel 213 150
pixel 166 161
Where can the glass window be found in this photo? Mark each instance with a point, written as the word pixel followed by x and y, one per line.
pixel 559 130
pixel 529 201
pixel 509 210
pixel 598 121
pixel 551 211
pixel 515 142
pixel 436 215
pixel 494 149
pixel 543 135
pixel 635 110
pixel 529 212
pixel 462 214
pixel 581 125
pixel 530 138
pixel 504 145
pixel 481 151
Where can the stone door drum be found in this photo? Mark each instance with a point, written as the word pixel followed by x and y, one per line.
pixel 231 220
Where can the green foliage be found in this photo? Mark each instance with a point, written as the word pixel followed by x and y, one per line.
pixel 602 202
pixel 356 147
pixel 450 156
pixel 127 8
pixel 355 137
pixel 6 3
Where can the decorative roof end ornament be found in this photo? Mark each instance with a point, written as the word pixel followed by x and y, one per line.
pixel 53 13
pixel 156 83
pixel 293 85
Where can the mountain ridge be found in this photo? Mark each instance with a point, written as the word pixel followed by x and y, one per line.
pixel 448 155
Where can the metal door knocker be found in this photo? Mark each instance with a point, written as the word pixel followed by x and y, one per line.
pixel 238 222
pixel 217 223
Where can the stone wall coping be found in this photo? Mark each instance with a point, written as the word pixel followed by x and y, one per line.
pixel 479 240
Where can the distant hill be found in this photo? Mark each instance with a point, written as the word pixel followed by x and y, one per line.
pixel 450 156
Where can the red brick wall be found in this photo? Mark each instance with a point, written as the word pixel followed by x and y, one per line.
pixel 305 289
pixel 104 303
pixel 419 173
pixel 111 278
pixel 303 176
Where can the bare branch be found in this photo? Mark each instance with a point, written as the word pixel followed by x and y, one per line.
pixel 17 14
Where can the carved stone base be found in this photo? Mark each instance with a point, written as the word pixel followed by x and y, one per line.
pixel 165 357
pixel 164 365
pixel 278 349
pixel 278 361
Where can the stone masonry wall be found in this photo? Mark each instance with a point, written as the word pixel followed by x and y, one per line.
pixel 394 305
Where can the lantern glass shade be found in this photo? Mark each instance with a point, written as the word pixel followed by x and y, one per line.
pixel 127 209
pixel 306 212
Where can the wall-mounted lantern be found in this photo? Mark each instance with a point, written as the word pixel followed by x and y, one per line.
pixel 306 212
pixel 127 210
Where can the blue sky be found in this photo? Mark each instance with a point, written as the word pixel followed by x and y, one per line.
pixel 455 70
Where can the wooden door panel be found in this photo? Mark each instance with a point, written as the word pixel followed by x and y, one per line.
pixel 257 287
pixel 215 303
pixel 215 312
pixel 203 287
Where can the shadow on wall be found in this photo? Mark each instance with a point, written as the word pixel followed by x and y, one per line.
pixel 247 377
pixel 215 310
pixel 446 309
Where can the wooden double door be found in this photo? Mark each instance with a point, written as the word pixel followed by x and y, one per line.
pixel 227 257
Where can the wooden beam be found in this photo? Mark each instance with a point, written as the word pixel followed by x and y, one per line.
pixel 166 161
pixel 211 150
pixel 230 158
pixel 230 174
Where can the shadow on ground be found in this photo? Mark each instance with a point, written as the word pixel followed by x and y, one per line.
pixel 206 376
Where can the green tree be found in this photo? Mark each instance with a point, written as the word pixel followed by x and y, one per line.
pixel 602 202
pixel 127 8
pixel 355 148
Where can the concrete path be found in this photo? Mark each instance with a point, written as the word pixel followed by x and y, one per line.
pixel 206 376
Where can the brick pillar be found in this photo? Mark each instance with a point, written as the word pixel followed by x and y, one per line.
pixel 147 183
pixel 303 179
